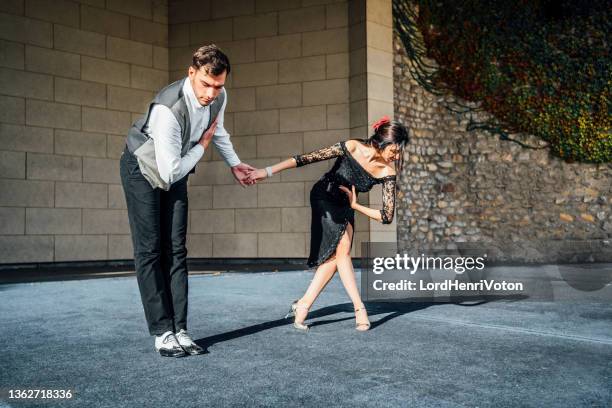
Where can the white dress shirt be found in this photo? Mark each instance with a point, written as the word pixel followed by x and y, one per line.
pixel 166 133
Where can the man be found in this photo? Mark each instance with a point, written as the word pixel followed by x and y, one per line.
pixel 162 150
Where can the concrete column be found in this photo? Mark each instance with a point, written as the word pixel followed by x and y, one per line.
pixel 371 84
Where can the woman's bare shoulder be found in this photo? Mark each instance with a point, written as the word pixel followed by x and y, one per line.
pixel 357 146
pixel 351 145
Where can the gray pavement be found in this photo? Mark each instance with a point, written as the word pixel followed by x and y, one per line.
pixel 90 336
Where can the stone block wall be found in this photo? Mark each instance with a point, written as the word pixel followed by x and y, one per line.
pixel 288 93
pixel 73 77
pixel 523 205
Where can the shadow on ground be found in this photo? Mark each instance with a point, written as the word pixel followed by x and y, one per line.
pixel 391 310
pixel 90 336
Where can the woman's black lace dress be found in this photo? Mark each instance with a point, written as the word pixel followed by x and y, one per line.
pixel 331 210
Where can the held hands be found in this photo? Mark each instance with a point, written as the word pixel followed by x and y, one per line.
pixel 351 194
pixel 242 173
pixel 257 175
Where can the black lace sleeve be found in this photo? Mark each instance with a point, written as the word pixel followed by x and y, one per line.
pixel 388 198
pixel 318 155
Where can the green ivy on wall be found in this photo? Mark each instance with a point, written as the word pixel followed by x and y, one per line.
pixel 540 67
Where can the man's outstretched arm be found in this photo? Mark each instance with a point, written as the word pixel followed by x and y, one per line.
pixel 225 147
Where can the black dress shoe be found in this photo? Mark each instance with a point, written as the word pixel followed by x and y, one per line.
pixel 188 344
pixel 193 349
pixel 173 352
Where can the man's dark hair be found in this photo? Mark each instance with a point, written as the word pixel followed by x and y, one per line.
pixel 212 59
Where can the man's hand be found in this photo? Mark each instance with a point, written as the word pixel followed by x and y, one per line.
pixel 208 135
pixel 241 173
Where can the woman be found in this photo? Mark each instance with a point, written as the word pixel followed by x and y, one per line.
pixel 359 166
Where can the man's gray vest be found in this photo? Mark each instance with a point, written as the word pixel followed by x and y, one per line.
pixel 141 144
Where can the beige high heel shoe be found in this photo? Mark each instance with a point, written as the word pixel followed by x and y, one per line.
pixel 294 306
pixel 361 326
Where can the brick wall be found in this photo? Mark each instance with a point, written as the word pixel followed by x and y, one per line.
pixel 288 94
pixel 73 76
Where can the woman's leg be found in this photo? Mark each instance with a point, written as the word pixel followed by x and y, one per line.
pixel 345 266
pixel 322 276
pixel 347 274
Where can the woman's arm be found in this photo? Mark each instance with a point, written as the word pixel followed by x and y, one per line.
pixel 260 174
pixel 386 214
pixel 325 153
pixel 370 212
pixel 284 165
pixel 388 199
pixel 299 160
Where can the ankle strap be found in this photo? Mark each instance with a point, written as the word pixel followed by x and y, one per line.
pixel 300 306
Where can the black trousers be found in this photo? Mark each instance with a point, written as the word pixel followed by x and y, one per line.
pixel 158 222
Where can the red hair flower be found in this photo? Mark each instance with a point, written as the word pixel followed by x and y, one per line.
pixel 382 121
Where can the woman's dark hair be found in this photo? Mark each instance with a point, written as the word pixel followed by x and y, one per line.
pixel 390 132
pixel 212 59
